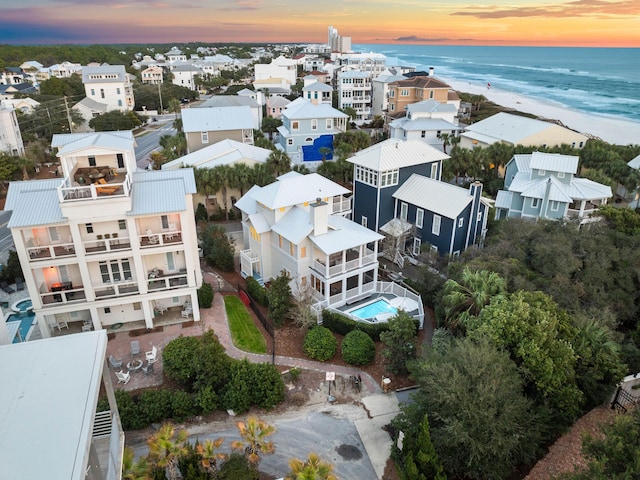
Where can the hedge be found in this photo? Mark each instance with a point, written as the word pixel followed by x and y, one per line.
pixel 257 292
pixel 342 324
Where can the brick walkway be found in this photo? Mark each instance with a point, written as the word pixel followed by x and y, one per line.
pixel 214 318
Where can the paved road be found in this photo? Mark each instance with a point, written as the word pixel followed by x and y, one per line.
pixel 150 139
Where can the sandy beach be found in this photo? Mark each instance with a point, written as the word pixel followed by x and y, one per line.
pixel 612 130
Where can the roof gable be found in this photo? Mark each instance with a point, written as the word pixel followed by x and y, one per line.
pixel 392 154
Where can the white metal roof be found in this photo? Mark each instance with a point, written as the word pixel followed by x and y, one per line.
pixel 585 189
pixel 343 234
pixel 295 226
pixel 295 190
pixel 427 124
pixel 503 199
pixel 161 191
pixel 103 69
pixel 394 153
pixel 225 152
pixel 229 101
pixel 431 106
pixel 634 163
pixel 72 142
pixel 554 162
pixel 216 119
pixel 259 223
pixel 247 203
pixel 184 174
pixel 36 207
pixel 48 399
pixel 317 87
pixel 307 110
pixel 439 197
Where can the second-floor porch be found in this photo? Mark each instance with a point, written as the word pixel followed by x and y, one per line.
pixel 342 262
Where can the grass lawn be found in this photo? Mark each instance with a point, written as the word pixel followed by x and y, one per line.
pixel 244 333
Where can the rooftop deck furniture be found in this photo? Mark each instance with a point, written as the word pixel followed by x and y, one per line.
pixel 123 377
pixel 5 286
pixel 153 238
pixel 19 283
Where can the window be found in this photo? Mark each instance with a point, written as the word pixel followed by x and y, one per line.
pixel 404 210
pixel 92 161
pixel 435 227
pixel 205 137
pixel 115 271
pixel 102 92
pixel 119 103
pixel 419 217
pixel 314 124
pixel 107 310
pixel 392 107
pixel 280 241
pixel 89 227
pixel 560 174
pixel 434 171
pixel 120 159
pixel 423 134
pixel 404 92
pixel 363 222
pixel 137 305
pixel 93 92
pixel 541 172
pixel 554 205
pixel 292 249
pixel 295 125
pixel 122 224
pixel 392 93
pixel 460 222
pixel 534 203
pixel 303 252
pixel 416 246
pixel 308 140
pixel 431 93
pixel 164 219
pixel 329 123
pixel 290 141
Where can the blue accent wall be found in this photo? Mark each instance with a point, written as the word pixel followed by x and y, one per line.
pixel 365 204
pixel 312 152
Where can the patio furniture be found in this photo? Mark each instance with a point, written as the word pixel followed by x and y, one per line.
pixel 19 283
pixel 135 365
pixel 186 313
pixel 173 231
pixel 87 326
pixel 123 377
pixel 60 324
pixel 5 286
pixel 151 237
pixel 135 348
pixel 148 368
pixel 115 362
pixel 69 245
pixel 160 308
pixel 152 356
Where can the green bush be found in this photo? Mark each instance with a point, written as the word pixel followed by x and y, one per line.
pixel 155 405
pixel 257 292
pixel 268 386
pixel 238 394
pixel 320 344
pixel 358 348
pixel 182 406
pixel 179 360
pixel 205 295
pixel 253 384
pixel 207 400
pixel 129 413
pixel 237 467
pixel 341 324
pixel 201 213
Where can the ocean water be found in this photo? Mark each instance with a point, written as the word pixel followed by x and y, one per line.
pixel 604 81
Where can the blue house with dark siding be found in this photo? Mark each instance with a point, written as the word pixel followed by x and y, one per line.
pixel 381 169
pixel 447 217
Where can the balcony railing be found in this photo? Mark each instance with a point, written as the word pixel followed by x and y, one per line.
pixel 72 295
pixel 41 252
pixel 67 191
pixel 342 267
pixel 107 244
pixel 167 282
pixel 127 287
pixel 157 239
pixel 349 295
pixel 341 205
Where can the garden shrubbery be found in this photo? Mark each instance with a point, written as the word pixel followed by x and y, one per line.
pixel 207 379
pixel 341 324
pixel 358 348
pixel 320 344
pixel 257 292
pixel 205 295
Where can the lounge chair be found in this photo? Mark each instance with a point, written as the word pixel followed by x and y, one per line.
pixel 115 362
pixel 123 377
pixel 152 356
pixel 135 348
pixel 153 238
pixel 5 286
pixel 19 283
pixel 186 313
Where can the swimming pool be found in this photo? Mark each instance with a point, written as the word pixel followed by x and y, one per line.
pixel 26 323
pixel 372 309
pixel 23 305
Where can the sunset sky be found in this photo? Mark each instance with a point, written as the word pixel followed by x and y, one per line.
pixel 599 23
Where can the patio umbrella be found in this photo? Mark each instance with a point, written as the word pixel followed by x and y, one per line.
pixel 404 303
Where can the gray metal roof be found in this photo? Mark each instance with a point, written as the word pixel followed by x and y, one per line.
pixel 91 104
pixel 431 105
pixel 307 110
pixel 229 101
pixel 225 152
pixel 183 174
pixel 48 398
pixel 439 197
pixel 217 119
pixel 72 142
pixel 295 190
pixel 158 197
pixel 554 162
pixel 103 70
pixel 343 234
pixel 247 203
pixel 259 223
pixel 635 163
pixel 317 87
pixel 394 153
pixel 427 124
pixel 36 207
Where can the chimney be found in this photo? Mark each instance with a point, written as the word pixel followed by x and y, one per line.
pixel 431 71
pixel 320 217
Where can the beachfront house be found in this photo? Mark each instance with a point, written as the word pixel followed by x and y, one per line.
pixel 514 130
pixel 206 126
pixel 446 217
pixel 307 130
pixel 427 121
pixel 106 246
pixel 49 397
pixel 416 89
pixel 544 185
pixel 381 169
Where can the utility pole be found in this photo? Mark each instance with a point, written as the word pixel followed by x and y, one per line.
pixel 160 95
pixel 66 107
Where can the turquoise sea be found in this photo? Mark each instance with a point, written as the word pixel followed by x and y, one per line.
pixel 605 81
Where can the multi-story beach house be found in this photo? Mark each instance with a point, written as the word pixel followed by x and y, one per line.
pixel 282 70
pixel 354 91
pixel 518 130
pixel 426 121
pixel 307 130
pixel 222 101
pixel 317 92
pixel 175 55
pixel 109 85
pixel 184 74
pixel 416 89
pixel 276 104
pixel 152 75
pixel 50 389
pixel 106 246
pixel 380 91
pixel 206 126
pixel 544 185
pixel 10 136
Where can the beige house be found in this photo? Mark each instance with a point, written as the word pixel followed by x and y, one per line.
pixel 518 130
pixel 152 75
pixel 206 126
pixel 416 89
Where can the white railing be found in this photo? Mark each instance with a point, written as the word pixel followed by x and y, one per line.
pixel 41 252
pixel 128 287
pixel 69 192
pixel 342 205
pixel 168 282
pixel 100 245
pixel 341 267
pixel 62 296
pixel 158 239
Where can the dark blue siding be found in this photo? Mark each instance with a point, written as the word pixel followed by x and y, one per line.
pixel 365 203
pixel 312 152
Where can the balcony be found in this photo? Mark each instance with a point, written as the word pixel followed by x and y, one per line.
pixel 157 239
pixel 41 252
pixel 108 242
pixel 336 267
pixel 127 287
pixel 157 280
pixel 62 292
pixel 103 186
pixel 341 204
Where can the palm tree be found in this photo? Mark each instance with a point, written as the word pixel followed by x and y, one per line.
pixel 324 151
pixel 279 163
pixel 132 470
pixel 240 177
pixel 445 141
pixel 220 175
pixel 174 106
pixel 209 454
pixel 254 442
pixel 466 299
pixel 311 469
pixel 204 185
pixel 166 447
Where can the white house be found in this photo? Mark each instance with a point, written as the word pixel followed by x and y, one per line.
pixel 49 396
pixel 354 91
pixel 106 246
pixel 109 84
pixel 183 74
pixel 518 130
pixel 10 136
pixel 280 68
pixel 152 75
pixel 317 92
pixel 426 121
pixel 380 91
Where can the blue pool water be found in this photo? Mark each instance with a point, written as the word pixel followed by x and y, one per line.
pixel 373 309
pixel 24 305
pixel 26 320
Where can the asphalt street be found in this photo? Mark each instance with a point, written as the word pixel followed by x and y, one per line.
pixel 149 141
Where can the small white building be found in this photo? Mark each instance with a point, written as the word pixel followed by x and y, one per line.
pixel 426 121
pixel 10 136
pixel 105 246
pixel 109 84
pixel 279 68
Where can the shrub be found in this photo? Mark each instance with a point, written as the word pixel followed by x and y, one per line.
pixel 201 213
pixel 253 384
pixel 155 405
pixel 207 400
pixel 268 385
pixel 320 344
pixel 341 324
pixel 237 467
pixel 280 300
pixel 218 248
pixel 257 292
pixel 205 295
pixel 129 412
pixel 358 348
pixel 178 360
pixel 239 392
pixel 294 373
pixel 182 406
